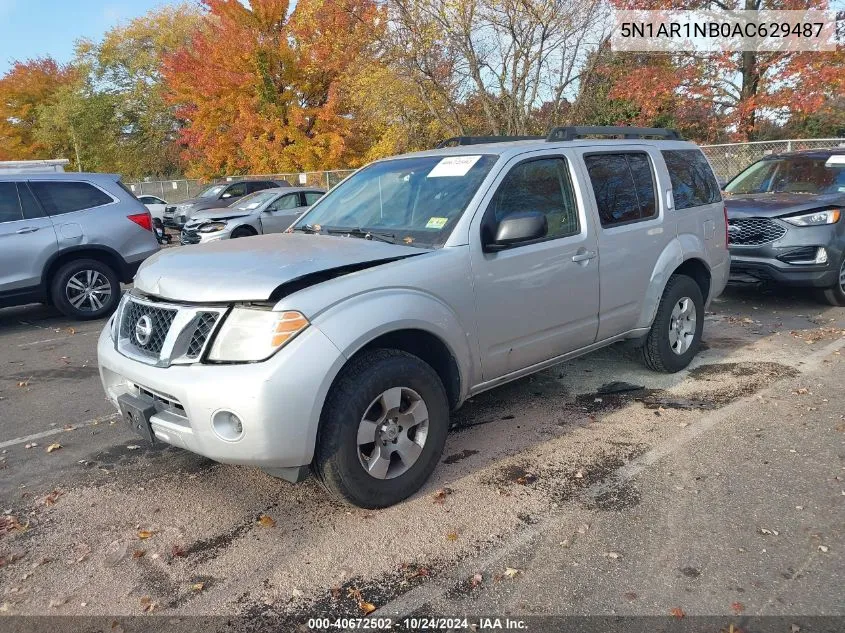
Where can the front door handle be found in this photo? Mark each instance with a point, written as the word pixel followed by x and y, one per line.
pixel 583 256
pixel 27 229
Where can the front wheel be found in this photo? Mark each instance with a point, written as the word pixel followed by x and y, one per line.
pixel 382 429
pixel 675 334
pixel 835 295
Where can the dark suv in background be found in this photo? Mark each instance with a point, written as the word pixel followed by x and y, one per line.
pixel 214 197
pixel 70 239
pixel 785 221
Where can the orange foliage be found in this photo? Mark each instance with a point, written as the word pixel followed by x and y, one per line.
pixel 258 89
pixel 26 86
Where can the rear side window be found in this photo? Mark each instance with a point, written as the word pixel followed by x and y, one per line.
pixel 65 197
pixel 289 201
pixel 311 197
pixel 31 208
pixel 10 207
pixel 539 185
pixel 693 182
pixel 623 185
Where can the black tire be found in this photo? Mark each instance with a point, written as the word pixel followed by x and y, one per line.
pixel 243 231
pixel 657 352
pixel 835 295
pixel 336 460
pixel 62 296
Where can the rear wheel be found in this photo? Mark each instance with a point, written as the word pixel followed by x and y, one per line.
pixel 85 289
pixel 835 295
pixel 382 430
pixel 675 334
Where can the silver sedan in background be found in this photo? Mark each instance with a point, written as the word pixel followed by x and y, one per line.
pixel 266 211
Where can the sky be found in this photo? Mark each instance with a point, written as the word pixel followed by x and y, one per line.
pixel 37 28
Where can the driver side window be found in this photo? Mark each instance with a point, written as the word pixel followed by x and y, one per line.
pixel 235 191
pixel 541 185
pixel 286 202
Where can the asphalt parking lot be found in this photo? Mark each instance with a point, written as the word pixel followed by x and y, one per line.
pixel 718 490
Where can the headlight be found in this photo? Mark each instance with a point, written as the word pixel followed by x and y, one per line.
pixel 817 218
pixel 250 334
pixel 212 227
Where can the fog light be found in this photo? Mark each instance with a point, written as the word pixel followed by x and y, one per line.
pixel 227 426
pixel 821 256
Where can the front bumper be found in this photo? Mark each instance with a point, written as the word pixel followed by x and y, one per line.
pixel 193 236
pixel 278 401
pixel 766 262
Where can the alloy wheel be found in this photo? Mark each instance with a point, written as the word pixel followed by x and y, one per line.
pixel 88 291
pixel 682 326
pixel 392 433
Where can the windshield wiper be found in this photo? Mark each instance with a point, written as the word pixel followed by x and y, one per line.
pixel 306 228
pixel 366 234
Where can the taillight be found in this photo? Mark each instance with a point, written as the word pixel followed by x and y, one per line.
pixel 725 209
pixel 144 220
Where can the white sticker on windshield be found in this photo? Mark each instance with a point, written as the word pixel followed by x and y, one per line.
pixel 836 159
pixel 253 205
pixel 453 166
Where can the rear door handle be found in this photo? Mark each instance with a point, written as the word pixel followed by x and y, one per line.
pixel 583 256
pixel 27 229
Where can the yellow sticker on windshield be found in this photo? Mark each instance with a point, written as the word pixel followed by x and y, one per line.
pixel 436 223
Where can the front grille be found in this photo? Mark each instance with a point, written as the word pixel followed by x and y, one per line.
pixel 168 334
pixel 754 231
pixel 158 319
pixel 169 212
pixel 205 325
pixel 189 237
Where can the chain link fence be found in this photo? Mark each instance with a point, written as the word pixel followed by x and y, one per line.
pixel 731 158
pixel 174 191
pixel 727 160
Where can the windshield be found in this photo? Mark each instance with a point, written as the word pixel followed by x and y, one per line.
pixel 254 200
pixel 212 192
pixel 415 201
pixel 790 175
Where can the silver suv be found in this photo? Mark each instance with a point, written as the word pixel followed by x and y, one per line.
pixel 70 239
pixel 416 283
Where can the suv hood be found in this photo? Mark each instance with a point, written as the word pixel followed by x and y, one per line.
pixel 251 269
pixel 773 205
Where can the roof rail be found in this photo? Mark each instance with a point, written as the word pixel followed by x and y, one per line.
pixel 570 133
pixel 456 141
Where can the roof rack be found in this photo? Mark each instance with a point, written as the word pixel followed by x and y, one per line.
pixel 456 141
pixel 570 133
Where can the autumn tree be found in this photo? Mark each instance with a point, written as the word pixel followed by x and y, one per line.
pixel 739 93
pixel 23 89
pixel 124 70
pixel 261 90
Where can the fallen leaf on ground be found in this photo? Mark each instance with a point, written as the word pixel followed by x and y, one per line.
pixel 71 331
pixel 579 474
pixel 147 604
pixel 68 427
pixel 677 612
pixel 138 553
pixel 51 498
pixel 366 607
pixel 526 479
pixel 24 383
pixel 452 536
pixel 767 531
pixel 801 391
pixel 824 549
pixel 177 551
pixel 511 572
pixel 145 534
pixel 197 586
pixel 441 494
pixel 265 521
pixel 630 595
pixel 737 607
pixel 53 447
pixel 476 580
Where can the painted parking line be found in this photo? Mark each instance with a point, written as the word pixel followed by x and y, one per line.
pixel 37 436
pixel 58 338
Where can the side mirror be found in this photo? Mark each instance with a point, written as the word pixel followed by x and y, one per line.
pixel 226 195
pixel 722 183
pixel 518 228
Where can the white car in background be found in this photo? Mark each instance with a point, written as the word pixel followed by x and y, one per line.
pixel 155 206
pixel 265 211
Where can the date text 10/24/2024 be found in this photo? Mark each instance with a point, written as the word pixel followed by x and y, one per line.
pixel 417 624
